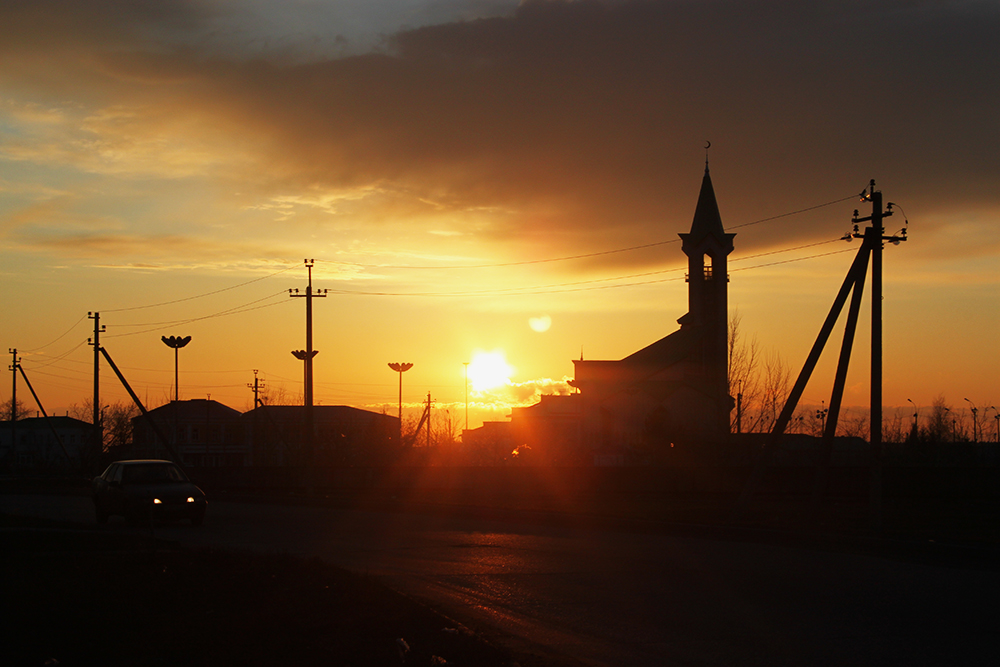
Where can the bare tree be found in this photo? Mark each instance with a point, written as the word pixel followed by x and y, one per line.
pixel 5 412
pixel 744 383
pixel 116 419
pixel 774 392
pixel 939 427
pixel 854 423
pixel 760 382
pixel 278 396
pixel 896 426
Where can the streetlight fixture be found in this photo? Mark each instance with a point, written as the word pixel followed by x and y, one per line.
pixel 821 416
pixel 975 420
pixel 401 368
pixel 176 342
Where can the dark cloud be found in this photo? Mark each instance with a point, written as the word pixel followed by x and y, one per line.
pixel 585 120
pixel 65 25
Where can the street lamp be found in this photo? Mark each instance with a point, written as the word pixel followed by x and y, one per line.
pixel 400 368
pixel 975 420
pixel 821 416
pixel 177 343
pixel 916 430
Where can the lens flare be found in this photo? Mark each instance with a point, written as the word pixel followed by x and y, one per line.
pixel 540 324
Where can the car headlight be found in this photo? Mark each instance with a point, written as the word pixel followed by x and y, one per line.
pixel 157 501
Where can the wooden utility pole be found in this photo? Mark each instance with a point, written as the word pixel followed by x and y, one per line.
pixel 257 386
pixel 96 343
pixel 873 240
pixel 15 362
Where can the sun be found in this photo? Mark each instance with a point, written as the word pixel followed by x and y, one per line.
pixel 489 370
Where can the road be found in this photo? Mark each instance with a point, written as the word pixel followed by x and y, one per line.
pixel 618 598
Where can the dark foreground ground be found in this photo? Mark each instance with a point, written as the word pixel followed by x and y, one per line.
pixel 81 597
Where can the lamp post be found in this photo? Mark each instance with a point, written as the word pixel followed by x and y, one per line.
pixel 975 420
pixel 466 364
pixel 821 416
pixel 916 429
pixel 401 368
pixel 176 342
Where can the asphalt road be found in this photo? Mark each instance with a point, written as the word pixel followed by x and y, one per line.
pixel 618 598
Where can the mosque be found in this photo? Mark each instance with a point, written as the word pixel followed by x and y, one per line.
pixel 671 395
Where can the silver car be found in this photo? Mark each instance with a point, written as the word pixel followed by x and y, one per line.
pixel 147 489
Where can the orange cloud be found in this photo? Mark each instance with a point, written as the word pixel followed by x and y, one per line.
pixel 566 127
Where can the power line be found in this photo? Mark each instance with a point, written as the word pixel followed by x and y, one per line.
pixel 75 325
pixel 575 286
pixel 199 296
pixel 585 255
pixel 801 210
pixel 798 259
pixel 235 310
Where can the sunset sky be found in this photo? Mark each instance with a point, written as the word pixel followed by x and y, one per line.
pixel 485 176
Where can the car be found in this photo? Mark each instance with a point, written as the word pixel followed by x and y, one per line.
pixel 147 489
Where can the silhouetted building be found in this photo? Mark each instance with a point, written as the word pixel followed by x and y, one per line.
pixel 676 390
pixel 37 446
pixel 668 397
pixel 202 432
pixel 551 429
pixel 492 444
pixel 343 436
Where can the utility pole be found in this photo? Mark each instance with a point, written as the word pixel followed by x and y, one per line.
pixel 307 355
pixel 256 386
pixel 873 242
pixel 96 342
pixel 875 238
pixel 15 362
pixel 13 392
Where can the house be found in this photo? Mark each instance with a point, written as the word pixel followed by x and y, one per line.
pixel 342 436
pixel 198 432
pixel 39 443
pixel 550 431
pixel 492 444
